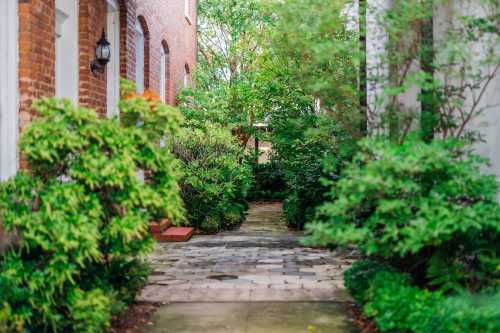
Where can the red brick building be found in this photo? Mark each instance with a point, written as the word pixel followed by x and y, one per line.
pixel 47 47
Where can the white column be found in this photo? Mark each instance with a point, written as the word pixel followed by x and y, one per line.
pixel 377 71
pixel 187 73
pixel 488 123
pixel 139 57
pixel 163 74
pixel 8 88
pixel 67 52
pixel 113 67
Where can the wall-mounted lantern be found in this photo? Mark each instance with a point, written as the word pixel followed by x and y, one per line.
pixel 102 55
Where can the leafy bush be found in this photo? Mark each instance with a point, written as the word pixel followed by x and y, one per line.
pixel 358 277
pixel 398 307
pixel 216 176
pixel 81 215
pixel 301 146
pixel 467 313
pixel 424 208
pixel 269 182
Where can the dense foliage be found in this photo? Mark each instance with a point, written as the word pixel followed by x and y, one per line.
pixel 399 307
pixel 301 148
pixel 268 181
pixel 416 205
pixel 228 40
pixel 81 215
pixel 216 177
pixel 425 208
pixel 307 83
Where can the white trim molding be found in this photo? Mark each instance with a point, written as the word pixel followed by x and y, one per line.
pixel 187 11
pixel 67 50
pixel 113 68
pixel 163 74
pixel 9 105
pixel 139 57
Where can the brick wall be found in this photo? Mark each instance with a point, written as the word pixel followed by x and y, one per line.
pixel 166 27
pixel 36 54
pixel 92 21
pixel 127 38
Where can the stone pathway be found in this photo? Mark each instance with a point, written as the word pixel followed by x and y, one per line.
pixel 261 262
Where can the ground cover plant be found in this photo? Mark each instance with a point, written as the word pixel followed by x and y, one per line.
pixel 81 213
pixel 399 306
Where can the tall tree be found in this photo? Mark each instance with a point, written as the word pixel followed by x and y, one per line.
pixel 228 51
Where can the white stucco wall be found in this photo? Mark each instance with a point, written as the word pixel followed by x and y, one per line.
pixel 378 71
pixel 488 124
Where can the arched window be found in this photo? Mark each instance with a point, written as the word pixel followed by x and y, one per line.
pixel 164 71
pixel 142 54
pixel 113 68
pixel 187 76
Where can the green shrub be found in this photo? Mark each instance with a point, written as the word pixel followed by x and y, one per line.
pixel 89 311
pixel 424 208
pixel 211 225
pixel 81 215
pixel 467 313
pixel 233 216
pixel 358 277
pixel 398 307
pixel 216 177
pixel 269 183
pixel 58 225
pixel 301 146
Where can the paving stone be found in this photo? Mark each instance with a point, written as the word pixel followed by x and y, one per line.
pixel 297 273
pixel 267 267
pixel 261 261
pixel 284 270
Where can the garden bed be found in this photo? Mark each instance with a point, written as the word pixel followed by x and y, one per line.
pixel 135 319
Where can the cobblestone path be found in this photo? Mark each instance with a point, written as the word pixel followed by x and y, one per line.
pixel 261 262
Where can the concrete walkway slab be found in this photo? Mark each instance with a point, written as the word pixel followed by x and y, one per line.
pixel 292 317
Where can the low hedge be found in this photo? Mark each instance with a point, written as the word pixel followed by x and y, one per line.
pixel 389 298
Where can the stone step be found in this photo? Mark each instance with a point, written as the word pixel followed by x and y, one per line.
pixel 158 227
pixel 175 234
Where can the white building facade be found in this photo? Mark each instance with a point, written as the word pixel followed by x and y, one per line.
pixel 445 13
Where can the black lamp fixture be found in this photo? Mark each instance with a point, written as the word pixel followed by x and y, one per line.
pixel 102 55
